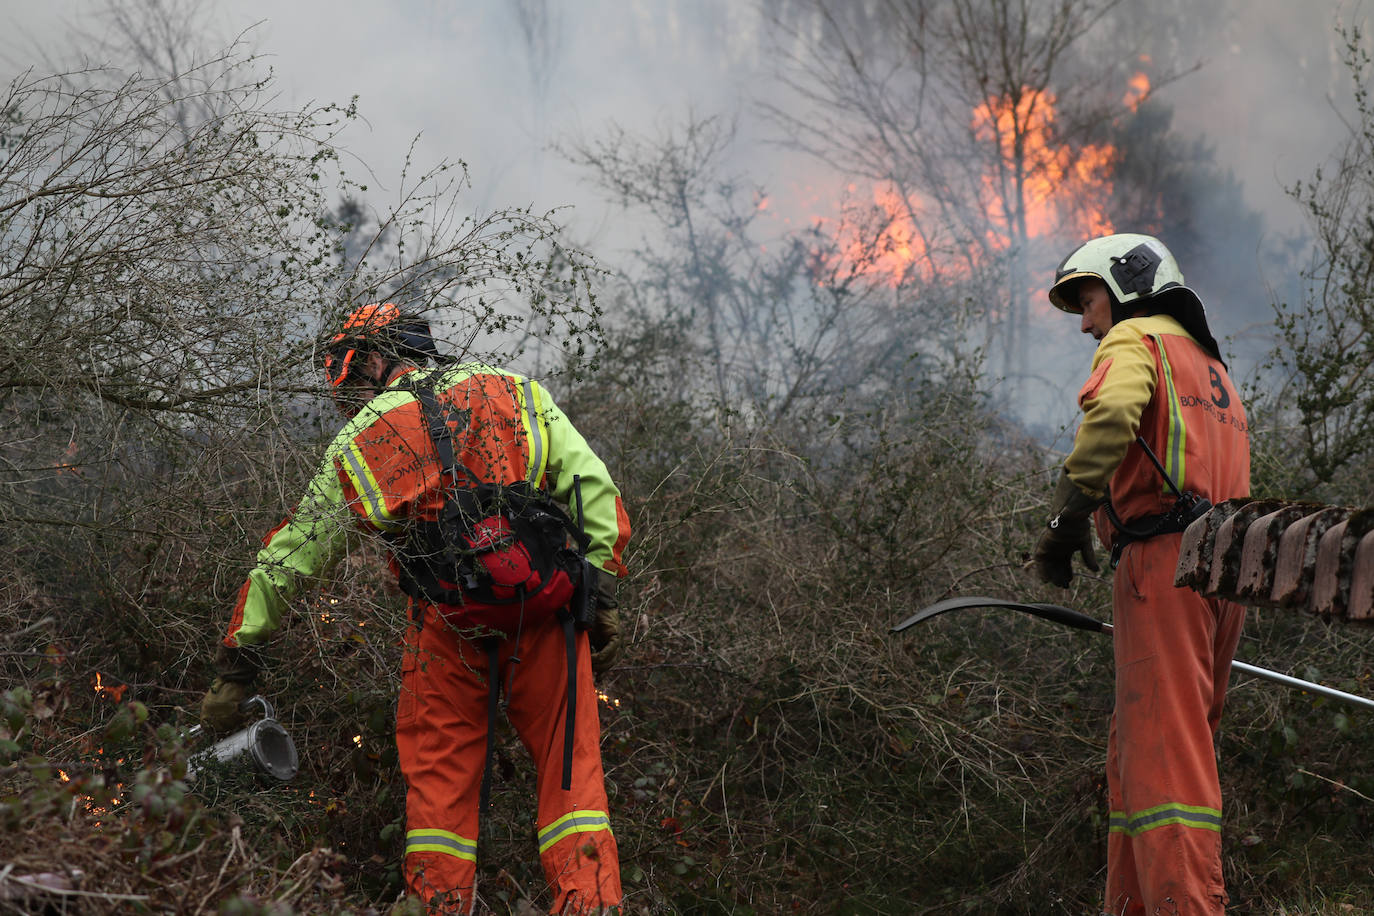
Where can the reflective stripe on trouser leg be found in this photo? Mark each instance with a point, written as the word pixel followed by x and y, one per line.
pixel 441 725
pixel 569 824
pixel 576 847
pixel 1173 651
pixel 432 840
pixel 1135 823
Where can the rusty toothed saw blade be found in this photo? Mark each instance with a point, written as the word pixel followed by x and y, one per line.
pixel 1080 621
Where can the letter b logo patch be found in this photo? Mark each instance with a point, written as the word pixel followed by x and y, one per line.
pixel 1220 396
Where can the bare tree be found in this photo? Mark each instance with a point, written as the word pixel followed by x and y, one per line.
pixel 1326 342
pixel 968 112
pixel 780 317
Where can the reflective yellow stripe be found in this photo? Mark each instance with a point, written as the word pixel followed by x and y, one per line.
pixel 433 840
pixel 1177 442
pixel 534 431
pixel 1138 822
pixel 366 486
pixel 574 822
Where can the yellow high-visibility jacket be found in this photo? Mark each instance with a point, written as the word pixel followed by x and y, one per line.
pixel 382 470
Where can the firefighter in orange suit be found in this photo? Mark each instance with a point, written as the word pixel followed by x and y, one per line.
pixel 1158 392
pixel 383 472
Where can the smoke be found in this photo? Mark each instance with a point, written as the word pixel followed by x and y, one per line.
pixel 495 85
pixel 1268 93
pixel 1257 97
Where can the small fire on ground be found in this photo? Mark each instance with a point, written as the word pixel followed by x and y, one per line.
pixel 113 692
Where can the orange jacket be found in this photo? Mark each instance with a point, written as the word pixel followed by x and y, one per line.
pixel 382 470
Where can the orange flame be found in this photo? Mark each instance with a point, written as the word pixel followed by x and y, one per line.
pixel 68 464
pixel 114 693
pixel 1038 185
pixel 880 240
pixel 894 245
pixel 1055 186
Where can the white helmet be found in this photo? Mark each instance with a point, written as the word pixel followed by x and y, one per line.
pixel 1135 268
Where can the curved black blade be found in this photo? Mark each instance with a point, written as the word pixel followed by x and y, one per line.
pixel 1052 612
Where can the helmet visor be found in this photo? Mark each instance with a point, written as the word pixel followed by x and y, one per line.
pixel 1064 293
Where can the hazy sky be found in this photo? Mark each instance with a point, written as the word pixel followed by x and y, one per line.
pixel 478 81
pixel 461 76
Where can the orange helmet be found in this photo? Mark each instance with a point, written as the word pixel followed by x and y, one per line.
pixel 379 327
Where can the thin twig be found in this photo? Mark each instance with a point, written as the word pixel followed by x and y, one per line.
pixel 72 892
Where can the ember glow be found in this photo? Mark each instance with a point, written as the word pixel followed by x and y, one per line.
pixel 1137 89
pixel 327 604
pixel 82 785
pixel 94 810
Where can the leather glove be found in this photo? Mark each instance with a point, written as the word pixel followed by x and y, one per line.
pixel 605 639
pixel 605 628
pixel 603 589
pixel 1068 533
pixel 238 666
pixel 219 710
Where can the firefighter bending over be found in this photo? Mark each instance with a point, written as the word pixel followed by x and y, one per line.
pixel 453 468
pixel 1163 435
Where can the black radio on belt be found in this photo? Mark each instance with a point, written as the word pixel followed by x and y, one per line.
pixel 1188 507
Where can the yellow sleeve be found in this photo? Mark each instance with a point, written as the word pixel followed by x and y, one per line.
pixel 1122 382
pixel 304 547
pixel 605 521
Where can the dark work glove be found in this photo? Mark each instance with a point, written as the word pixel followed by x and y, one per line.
pixel 219 709
pixel 605 628
pixel 603 589
pixel 1068 533
pixel 605 639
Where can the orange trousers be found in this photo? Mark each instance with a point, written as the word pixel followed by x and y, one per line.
pixel 441 728
pixel 1173 651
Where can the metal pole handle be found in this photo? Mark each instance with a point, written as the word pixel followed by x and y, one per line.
pixel 1286 680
